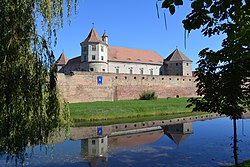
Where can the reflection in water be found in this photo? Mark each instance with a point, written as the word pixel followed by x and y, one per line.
pixel 178 132
pixel 199 143
pixel 95 150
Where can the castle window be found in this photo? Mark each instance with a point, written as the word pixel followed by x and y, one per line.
pixel 131 71
pixel 102 48
pixel 151 72
pixel 91 69
pixel 93 47
pixel 117 70
pixel 102 58
pixel 187 64
pixel 85 58
pixel 187 73
pixel 176 64
pixel 93 57
pixel 103 70
pixel 93 142
pixel 141 71
pixel 85 48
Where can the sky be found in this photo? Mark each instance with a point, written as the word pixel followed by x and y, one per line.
pixel 132 24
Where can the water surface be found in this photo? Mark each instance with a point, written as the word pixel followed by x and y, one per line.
pixel 202 143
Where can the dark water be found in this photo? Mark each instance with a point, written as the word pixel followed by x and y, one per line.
pixel 201 143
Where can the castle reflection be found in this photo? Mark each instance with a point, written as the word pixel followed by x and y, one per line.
pixel 95 150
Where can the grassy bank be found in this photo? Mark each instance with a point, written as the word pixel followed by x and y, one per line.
pixel 94 111
pixel 243 164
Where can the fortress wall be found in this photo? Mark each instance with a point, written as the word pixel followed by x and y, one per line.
pixel 83 87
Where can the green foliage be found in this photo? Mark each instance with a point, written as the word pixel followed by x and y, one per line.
pixel 223 75
pixel 29 103
pixel 148 95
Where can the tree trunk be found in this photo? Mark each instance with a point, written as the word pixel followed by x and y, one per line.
pixel 235 147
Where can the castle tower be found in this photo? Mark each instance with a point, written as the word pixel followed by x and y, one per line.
pixel 177 64
pixel 105 37
pixel 61 62
pixel 94 52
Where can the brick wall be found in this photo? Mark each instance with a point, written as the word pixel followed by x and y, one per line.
pixel 83 87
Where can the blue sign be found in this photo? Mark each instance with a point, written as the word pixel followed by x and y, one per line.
pixel 99 80
pixel 99 131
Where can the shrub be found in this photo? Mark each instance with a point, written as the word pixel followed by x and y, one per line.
pixel 148 95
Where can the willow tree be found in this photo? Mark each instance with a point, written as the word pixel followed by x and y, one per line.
pixel 223 75
pixel 29 104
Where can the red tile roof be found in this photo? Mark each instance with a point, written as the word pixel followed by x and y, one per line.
pixel 62 60
pixel 177 55
pixel 93 37
pixel 133 55
pixel 75 61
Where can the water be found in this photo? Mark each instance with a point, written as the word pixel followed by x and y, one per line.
pixel 201 143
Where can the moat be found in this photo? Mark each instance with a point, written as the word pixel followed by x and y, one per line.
pixel 184 143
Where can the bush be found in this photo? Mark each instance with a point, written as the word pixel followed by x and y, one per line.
pixel 148 95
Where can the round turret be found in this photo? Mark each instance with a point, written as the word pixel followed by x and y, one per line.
pixel 94 53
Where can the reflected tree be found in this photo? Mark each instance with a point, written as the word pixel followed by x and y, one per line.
pixel 223 76
pixel 30 107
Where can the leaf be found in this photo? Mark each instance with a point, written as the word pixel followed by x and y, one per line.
pixel 172 9
pixel 166 3
pixel 178 2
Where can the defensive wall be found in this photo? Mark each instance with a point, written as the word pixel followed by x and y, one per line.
pixel 85 87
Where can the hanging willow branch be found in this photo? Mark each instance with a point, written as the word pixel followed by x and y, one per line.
pixel 29 103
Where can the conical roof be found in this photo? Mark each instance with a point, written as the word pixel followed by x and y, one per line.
pixel 93 37
pixel 177 138
pixel 104 34
pixel 62 60
pixel 177 55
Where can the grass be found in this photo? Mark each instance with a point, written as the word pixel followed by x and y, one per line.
pixel 108 110
pixel 243 164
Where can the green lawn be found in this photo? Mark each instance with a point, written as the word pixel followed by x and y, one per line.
pixel 244 164
pixel 94 111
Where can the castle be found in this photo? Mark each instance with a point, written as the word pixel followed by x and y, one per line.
pixel 108 73
pixel 98 56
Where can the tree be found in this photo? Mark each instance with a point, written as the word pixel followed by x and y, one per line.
pixel 223 76
pixel 29 103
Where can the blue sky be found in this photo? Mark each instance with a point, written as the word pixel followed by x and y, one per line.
pixel 132 24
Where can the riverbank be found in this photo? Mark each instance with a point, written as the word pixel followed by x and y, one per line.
pixel 110 110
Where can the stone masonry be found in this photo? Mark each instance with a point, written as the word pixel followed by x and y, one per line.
pixel 83 86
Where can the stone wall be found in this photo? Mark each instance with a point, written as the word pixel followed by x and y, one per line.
pixel 83 86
